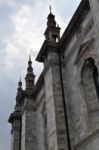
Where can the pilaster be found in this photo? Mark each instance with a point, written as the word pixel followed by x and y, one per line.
pixel 57 138
pixel 55 110
pixel 15 119
pixel 28 125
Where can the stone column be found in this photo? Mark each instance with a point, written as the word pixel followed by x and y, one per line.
pixel 57 139
pixel 28 125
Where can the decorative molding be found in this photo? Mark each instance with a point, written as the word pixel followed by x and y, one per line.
pixel 88 139
pixel 51 63
pixel 79 31
pixel 88 27
pixel 76 20
pixel 85 50
pixel 14 116
pixel 81 38
pixel 46 47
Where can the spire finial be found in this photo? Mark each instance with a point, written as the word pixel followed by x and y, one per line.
pixel 30 62
pixel 50 9
pixel 20 78
pixel 30 57
pixel 30 75
pixel 29 69
pixel 20 82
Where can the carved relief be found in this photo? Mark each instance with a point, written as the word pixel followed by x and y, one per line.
pixel 88 26
pixel 79 31
pixel 85 51
pixel 82 31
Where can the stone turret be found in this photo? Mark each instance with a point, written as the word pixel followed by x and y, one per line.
pixel 28 137
pixel 16 119
pixel 49 55
pixel 52 32
pixel 52 37
pixel 30 77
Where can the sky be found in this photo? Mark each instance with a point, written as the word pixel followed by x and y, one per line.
pixel 22 26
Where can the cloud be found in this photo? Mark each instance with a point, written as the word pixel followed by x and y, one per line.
pixel 28 22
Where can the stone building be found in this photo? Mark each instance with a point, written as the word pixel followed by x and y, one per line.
pixel 61 111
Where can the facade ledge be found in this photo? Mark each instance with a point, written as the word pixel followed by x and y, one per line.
pixel 88 139
pixel 47 45
pixel 13 116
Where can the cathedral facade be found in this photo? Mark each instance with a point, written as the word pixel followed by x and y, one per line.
pixel 61 111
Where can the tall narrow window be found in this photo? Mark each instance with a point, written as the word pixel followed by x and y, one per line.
pixel 90 86
pixel 96 80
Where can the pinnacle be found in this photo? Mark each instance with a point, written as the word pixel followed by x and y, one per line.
pixel 20 82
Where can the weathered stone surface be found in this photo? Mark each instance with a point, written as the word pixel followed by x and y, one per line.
pixel 42 107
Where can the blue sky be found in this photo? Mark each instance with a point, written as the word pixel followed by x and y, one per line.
pixel 22 25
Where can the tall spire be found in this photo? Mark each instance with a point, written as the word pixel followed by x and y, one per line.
pixel 29 69
pixel 52 32
pixel 20 82
pixel 30 77
pixel 19 96
pixel 50 9
pixel 20 85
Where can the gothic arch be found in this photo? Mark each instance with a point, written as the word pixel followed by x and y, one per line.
pixel 90 85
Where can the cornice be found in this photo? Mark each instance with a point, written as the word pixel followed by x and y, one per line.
pixel 87 139
pixel 46 47
pixel 76 20
pixel 14 116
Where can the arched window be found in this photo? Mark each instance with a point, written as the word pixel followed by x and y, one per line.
pixel 90 86
pixel 96 80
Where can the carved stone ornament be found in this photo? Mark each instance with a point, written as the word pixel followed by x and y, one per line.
pixel 85 50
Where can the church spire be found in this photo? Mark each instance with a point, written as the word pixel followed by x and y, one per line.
pixel 29 69
pixel 52 32
pixel 30 77
pixel 19 90
pixel 51 19
pixel 50 9
pixel 19 96
pixel 19 84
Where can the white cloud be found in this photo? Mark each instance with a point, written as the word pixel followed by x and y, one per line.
pixel 29 25
pixel 25 37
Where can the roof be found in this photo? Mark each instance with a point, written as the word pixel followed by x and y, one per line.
pixel 77 18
